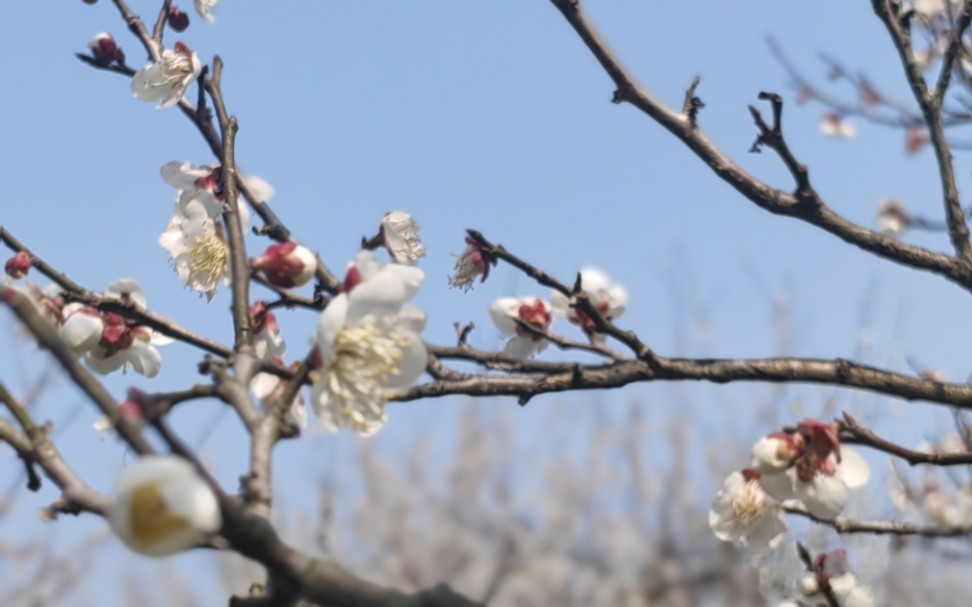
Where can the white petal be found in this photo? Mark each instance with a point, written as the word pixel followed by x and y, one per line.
pixel 384 293
pixel 330 323
pixel 131 288
pixel 81 331
pixel 263 384
pixel 853 470
pixel 559 303
pixel 779 486
pixel 503 313
pixel 411 319
pixel 144 359
pixel 824 496
pixel 524 347
pixel 262 191
pixel 617 298
pixel 412 365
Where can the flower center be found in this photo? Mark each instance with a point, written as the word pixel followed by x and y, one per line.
pixel 151 520
pixel 209 258
pixel 750 504
pixel 363 360
pixel 176 67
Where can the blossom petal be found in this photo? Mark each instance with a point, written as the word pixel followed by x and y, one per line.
pixel 853 470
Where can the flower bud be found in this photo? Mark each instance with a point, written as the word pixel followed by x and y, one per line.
pixel 286 265
pixel 19 265
pixel 105 50
pixel 178 20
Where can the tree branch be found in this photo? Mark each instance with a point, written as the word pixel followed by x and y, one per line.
pixel 770 199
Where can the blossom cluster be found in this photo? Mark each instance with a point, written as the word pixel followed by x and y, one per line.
pixel 806 466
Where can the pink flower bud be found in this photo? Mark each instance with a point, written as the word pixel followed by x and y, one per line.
pixel 18 265
pixel 286 265
pixel 178 20
pixel 105 50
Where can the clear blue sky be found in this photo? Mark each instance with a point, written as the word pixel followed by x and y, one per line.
pixel 491 115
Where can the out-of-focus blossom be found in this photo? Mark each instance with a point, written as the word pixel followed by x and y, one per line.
pixel 473 262
pixel 821 474
pixel 165 81
pixel 831 574
pixel 742 513
pixel 162 506
pixel 916 139
pixel 269 346
pixel 833 125
pixel 128 409
pixel 105 50
pixel 19 265
pixel 892 218
pixel 286 265
pixel 369 345
pixel 205 9
pixel 401 237
pixel 109 341
pixel 609 300
pixel 198 248
pixel 508 312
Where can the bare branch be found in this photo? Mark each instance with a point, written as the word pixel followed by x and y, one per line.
pixel 761 194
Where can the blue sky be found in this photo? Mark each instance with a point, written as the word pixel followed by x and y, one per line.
pixel 490 115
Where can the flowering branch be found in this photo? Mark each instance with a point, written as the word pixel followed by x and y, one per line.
pixel 239 269
pixel 50 341
pixel 273 226
pixel 761 194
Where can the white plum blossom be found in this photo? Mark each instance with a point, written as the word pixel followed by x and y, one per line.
pixel 609 300
pixel 165 81
pixel 270 346
pixel 742 513
pixel 162 506
pixel 369 345
pixel 286 265
pixel 205 185
pixel 833 125
pixel 109 341
pixel 823 494
pixel 508 312
pixel 936 9
pixel 831 573
pixel 205 9
pixel 401 237
pixel 892 218
pixel 198 248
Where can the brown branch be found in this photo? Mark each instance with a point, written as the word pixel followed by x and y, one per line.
pixel 852 432
pixel 845 526
pixel 756 191
pixel 34 447
pixel 931 108
pixel 962 20
pixel 568 376
pixel 159 28
pixel 772 137
pixel 239 268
